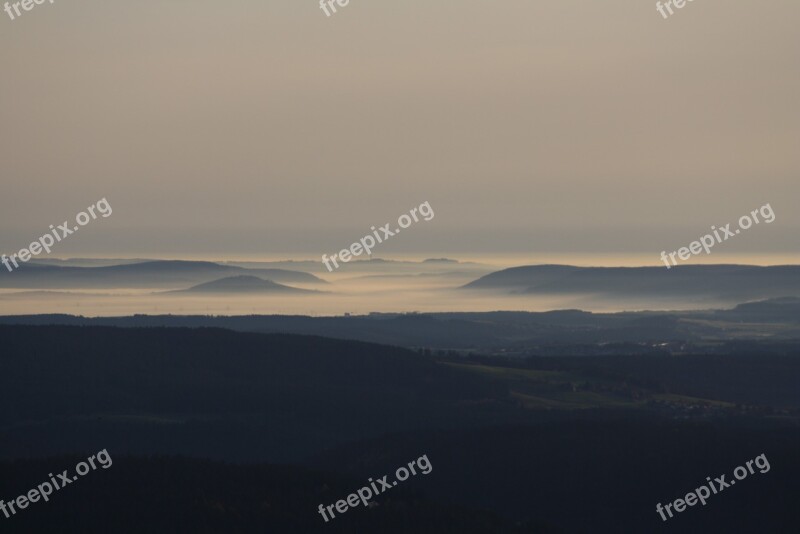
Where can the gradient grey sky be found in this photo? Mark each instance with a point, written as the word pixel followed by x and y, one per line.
pixel 250 127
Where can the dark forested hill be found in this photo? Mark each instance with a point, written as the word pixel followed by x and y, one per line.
pixel 216 392
pixel 174 494
pixel 581 444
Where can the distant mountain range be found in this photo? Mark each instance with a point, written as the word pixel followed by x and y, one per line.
pixel 723 282
pixel 775 321
pixel 242 284
pixel 150 274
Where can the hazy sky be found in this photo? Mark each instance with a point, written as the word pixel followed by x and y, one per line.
pixel 265 127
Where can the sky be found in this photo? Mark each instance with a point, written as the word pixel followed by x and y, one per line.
pixel 533 129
